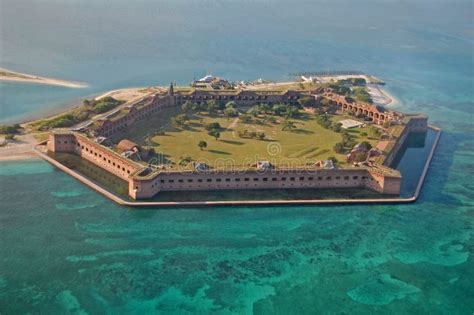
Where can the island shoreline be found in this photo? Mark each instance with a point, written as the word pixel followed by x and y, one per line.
pixel 28 153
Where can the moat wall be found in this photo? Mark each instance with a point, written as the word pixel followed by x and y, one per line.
pixel 416 124
pixel 93 152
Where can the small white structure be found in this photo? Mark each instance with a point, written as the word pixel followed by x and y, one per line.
pixel 264 165
pixel 351 123
pixel 201 167
pixel 328 164
pixel 207 79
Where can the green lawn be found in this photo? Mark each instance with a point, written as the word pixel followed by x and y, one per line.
pixel 309 142
pixel 356 132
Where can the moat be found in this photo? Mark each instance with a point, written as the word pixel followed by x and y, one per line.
pixel 417 145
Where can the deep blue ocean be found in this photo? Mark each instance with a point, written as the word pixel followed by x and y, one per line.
pixel 64 249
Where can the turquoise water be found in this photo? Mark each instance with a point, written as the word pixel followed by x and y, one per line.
pixel 65 249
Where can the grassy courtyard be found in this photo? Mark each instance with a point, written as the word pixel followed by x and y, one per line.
pixel 306 142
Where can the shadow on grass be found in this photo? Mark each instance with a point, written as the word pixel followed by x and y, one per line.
pixel 190 128
pixel 232 142
pixel 303 131
pixel 219 152
pixel 304 116
pixel 195 124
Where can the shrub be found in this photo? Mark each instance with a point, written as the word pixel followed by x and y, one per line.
pixel 338 148
pixel 306 101
pixel 13 129
pixel 213 126
pixel 202 145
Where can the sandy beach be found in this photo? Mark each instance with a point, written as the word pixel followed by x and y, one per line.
pixel 8 75
pixel 128 94
pixel 380 96
pixel 19 149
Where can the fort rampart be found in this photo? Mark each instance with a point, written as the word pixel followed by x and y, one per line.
pixel 145 182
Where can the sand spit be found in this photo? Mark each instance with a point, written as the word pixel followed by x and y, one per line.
pixel 8 75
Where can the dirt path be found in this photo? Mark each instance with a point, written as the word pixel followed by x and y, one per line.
pixel 232 126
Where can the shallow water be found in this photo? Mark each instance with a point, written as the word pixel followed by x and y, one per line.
pixel 66 249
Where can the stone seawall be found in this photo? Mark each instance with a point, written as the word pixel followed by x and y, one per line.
pixel 123 202
pixel 159 204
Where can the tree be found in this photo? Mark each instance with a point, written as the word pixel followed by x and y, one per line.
pixel 337 127
pixel 266 108
pixel 212 106
pixel 187 106
pixel 179 120
pixel 10 129
pixel 291 112
pixel 10 137
pixel 338 148
pixel 202 145
pixel 279 109
pixel 361 94
pixel 253 111
pixel 213 126
pixel 325 102
pixel 86 102
pixel 340 89
pixel 230 112
pixel 245 118
pixel 306 101
pixel 230 104
pixel 288 125
pixel 260 135
pixel 214 133
pixel 196 107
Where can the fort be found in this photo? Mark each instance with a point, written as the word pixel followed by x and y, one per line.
pixel 146 180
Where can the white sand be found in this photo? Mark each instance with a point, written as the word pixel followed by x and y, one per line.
pixel 18 149
pixel 381 96
pixel 27 78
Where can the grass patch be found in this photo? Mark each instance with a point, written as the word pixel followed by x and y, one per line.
pixel 302 152
pixel 89 109
pixel 296 148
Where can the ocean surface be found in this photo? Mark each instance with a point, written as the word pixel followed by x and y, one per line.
pixel 64 249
